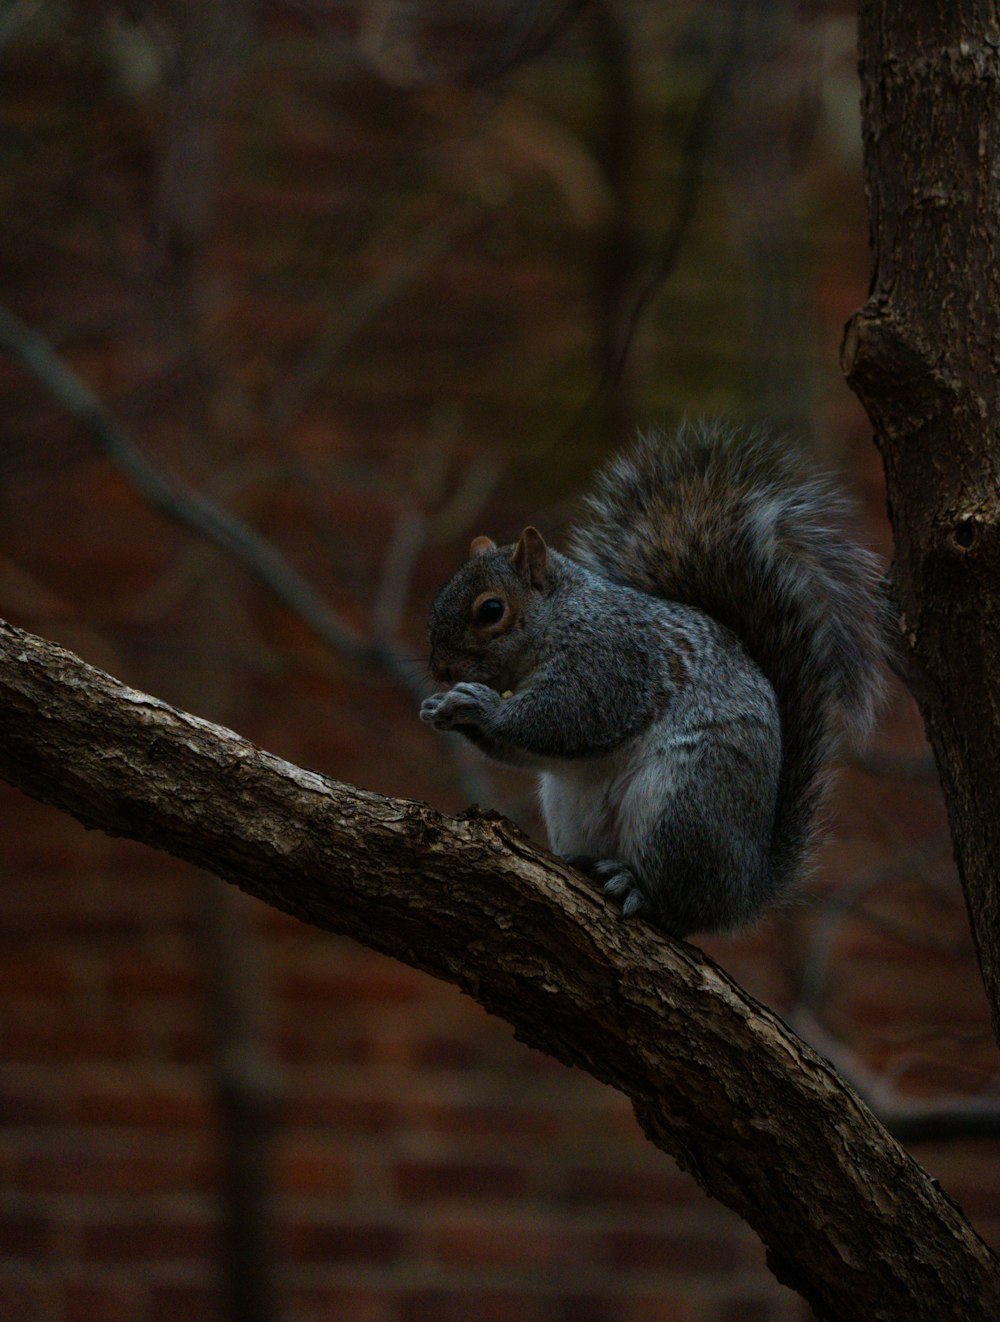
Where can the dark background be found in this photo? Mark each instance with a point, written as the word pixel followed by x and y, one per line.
pixel 376 278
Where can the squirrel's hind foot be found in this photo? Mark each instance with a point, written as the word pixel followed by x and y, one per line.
pixel 621 883
pixel 617 880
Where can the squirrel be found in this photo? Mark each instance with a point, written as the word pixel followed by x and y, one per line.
pixel 676 681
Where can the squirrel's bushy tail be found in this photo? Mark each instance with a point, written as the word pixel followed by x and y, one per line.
pixel 727 521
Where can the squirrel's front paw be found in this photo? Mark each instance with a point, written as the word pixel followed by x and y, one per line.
pixel 464 705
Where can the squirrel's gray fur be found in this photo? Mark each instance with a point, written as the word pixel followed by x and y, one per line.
pixel 677 683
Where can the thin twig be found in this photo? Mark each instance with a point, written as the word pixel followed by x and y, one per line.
pixel 184 504
pixel 363 305
pixel 409 536
pixel 910 1119
pixel 662 265
pixel 845 900
pixel 693 153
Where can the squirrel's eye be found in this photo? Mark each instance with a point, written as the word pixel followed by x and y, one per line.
pixel 490 611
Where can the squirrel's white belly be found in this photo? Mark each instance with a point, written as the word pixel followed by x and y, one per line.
pixel 602 808
pixel 579 812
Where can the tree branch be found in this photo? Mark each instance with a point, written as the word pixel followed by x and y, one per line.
pixel 761 1121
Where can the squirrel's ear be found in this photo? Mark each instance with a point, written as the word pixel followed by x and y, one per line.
pixel 531 557
pixel 480 545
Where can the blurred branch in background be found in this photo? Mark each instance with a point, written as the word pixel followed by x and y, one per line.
pixel 628 277
pixel 250 1089
pixel 617 248
pixel 909 1119
pixel 416 43
pixel 347 319
pixel 185 505
pixel 415 526
pixel 763 140
pixel 848 898
pixel 693 155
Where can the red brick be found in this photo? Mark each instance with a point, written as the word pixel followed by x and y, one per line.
pixel 585 1308
pixel 304 1165
pixel 371 1115
pixel 523 1244
pixel 48 1037
pixel 104 1303
pixel 356 1241
pixel 76 1172
pixel 160 1240
pixel 33 973
pixel 959 1165
pixel 882 996
pixel 747 1308
pixel 27 1301
pixel 657 1307
pixel 988 1229
pixel 31 1102
pixel 91 906
pixel 488 1120
pixel 617 1307
pixel 462 1305
pixel 184 1303
pixel 657 1184
pixel 142 1104
pixel 417 1181
pixel 337 1304
pixel 318 1041
pixel 378 982
pixel 190 1045
pixel 448 1053
pixel 138 975
pixel 799 1311
pixel 24 1234
pixel 656 1250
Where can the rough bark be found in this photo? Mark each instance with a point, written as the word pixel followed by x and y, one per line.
pixel 923 355
pixel 761 1121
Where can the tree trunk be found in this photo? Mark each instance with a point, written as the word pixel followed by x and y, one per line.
pixel 923 355
pixel 761 1121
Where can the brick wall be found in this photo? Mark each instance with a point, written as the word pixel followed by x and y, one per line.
pixel 439 244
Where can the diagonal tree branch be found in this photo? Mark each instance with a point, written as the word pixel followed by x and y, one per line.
pixel 762 1122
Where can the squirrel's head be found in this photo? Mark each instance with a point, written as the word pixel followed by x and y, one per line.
pixel 480 623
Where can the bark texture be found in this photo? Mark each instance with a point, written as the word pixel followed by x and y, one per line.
pixel 923 355
pixel 762 1122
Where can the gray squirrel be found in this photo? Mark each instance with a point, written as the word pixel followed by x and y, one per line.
pixel 677 681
